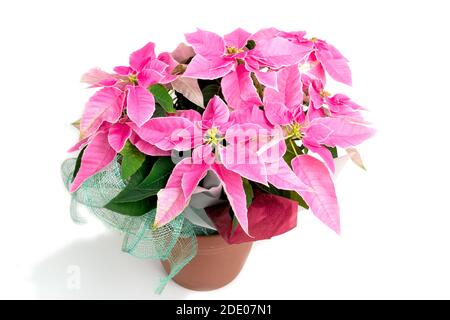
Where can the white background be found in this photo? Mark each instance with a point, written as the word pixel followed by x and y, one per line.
pixel 395 217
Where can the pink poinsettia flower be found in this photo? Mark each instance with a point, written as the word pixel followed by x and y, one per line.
pixel 285 107
pixel 103 146
pixel 315 132
pixel 204 134
pixel 229 58
pixel 257 154
pixel 126 88
pixel 335 105
pixel 323 55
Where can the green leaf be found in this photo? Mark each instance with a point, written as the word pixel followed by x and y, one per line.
pixel 333 151
pixel 284 193
pixel 251 44
pixel 269 189
pixel 134 208
pixel 78 164
pixel 150 185
pixel 291 151
pixel 210 91
pixel 162 97
pixel 137 208
pixel 296 197
pixel 248 191
pixel 159 111
pixel 132 160
pixel 234 224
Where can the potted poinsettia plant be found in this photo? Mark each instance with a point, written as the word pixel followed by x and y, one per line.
pixel 197 153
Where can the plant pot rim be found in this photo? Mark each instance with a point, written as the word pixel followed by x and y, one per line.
pixel 214 244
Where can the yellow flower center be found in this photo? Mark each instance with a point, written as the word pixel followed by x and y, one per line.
pixel 325 94
pixel 233 50
pixel 132 78
pixel 296 131
pixel 212 136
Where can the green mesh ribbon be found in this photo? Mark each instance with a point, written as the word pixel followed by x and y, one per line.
pixel 175 242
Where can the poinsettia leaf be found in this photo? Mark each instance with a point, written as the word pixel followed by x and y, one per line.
pixel 296 197
pixel 132 160
pixel 292 150
pixel 234 223
pixel 269 189
pixel 78 163
pixel 210 91
pixel 159 111
pixel 333 151
pixel 162 97
pixel 135 179
pixel 248 191
pixel 151 184
pixel 137 208
pixel 355 156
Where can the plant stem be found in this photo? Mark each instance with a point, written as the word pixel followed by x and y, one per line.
pixel 293 147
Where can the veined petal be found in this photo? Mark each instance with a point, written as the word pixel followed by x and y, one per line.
pixel 192 115
pixel 105 105
pixel 238 89
pixel 237 39
pixel 234 189
pixel 173 199
pixel 277 113
pixel 95 76
pixel 344 132
pixel 167 133
pixel 265 34
pixel 118 135
pixel 314 94
pixel 141 57
pixel 280 175
pixel 147 148
pixel 322 200
pixel 334 63
pixel 289 90
pixel 206 43
pixel 254 115
pixel 140 105
pixel 79 145
pixel 216 113
pixel 208 68
pixel 268 78
pixel 189 88
pixel 98 154
pixel 171 203
pixel 183 53
pixel 323 152
pixel 147 77
pixel 241 159
pixel 123 70
pixel 279 52
pixel 192 178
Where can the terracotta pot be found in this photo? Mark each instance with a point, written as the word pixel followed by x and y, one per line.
pixel 216 264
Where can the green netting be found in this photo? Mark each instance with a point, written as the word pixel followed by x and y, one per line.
pixel 175 242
